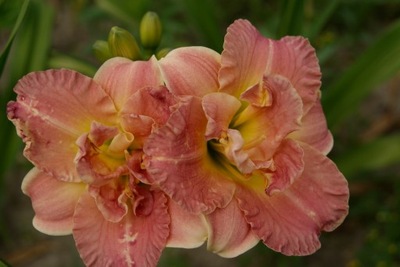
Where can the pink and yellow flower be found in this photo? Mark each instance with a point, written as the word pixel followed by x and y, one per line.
pixel 85 138
pixel 247 143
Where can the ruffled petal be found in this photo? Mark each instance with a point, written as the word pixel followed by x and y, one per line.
pixel 219 109
pixel 136 169
pixel 110 200
pixel 191 71
pixel 295 59
pixel 121 77
pixel 264 128
pixel 187 230
pixel 97 165
pixel 244 58
pixel 147 103
pixel 53 201
pixel 314 130
pixel 290 221
pixel 177 159
pixel 52 110
pixel 229 233
pixel 134 241
pixel 288 166
pixel 236 154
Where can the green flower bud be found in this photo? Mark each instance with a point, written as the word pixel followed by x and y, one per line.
pixel 101 50
pixel 123 44
pixel 162 53
pixel 150 30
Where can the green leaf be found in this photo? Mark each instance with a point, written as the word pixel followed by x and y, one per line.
pixel 6 49
pixel 3 263
pixel 129 12
pixel 29 52
pixel 291 18
pixel 376 65
pixel 204 15
pixel 63 61
pixel 322 18
pixel 375 155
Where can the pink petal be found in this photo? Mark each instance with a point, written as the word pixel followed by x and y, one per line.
pixel 136 169
pixel 148 106
pixel 229 233
pixel 244 58
pixel 134 241
pixel 178 161
pixel 314 130
pixel 219 109
pixel 187 230
pixel 140 126
pixel 96 167
pixel 100 133
pixel 191 71
pixel 288 165
pixel 264 128
pixel 258 96
pixel 236 154
pixel 110 200
pixel 290 221
pixel 53 108
pixel 295 59
pixel 121 77
pixel 54 202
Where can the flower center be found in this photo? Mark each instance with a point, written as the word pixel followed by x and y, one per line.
pixel 218 150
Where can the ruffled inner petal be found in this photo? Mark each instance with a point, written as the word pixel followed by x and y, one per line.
pixel 236 153
pixel 256 130
pixel 177 159
pixel 99 162
pixel 110 200
pixel 264 128
pixel 146 109
pixel 219 109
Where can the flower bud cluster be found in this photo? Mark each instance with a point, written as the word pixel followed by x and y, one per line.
pixel 122 43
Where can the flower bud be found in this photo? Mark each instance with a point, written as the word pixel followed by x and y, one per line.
pixel 123 44
pixel 101 50
pixel 162 53
pixel 150 30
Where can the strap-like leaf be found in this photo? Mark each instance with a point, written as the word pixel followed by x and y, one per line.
pixel 291 18
pixel 376 65
pixel 377 154
pixel 6 49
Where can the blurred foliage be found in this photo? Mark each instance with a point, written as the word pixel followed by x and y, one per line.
pixel 358 45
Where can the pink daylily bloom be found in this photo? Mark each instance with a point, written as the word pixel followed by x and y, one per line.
pixel 247 143
pixel 85 137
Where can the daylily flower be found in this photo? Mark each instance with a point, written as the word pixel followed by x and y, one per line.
pixel 85 138
pixel 247 143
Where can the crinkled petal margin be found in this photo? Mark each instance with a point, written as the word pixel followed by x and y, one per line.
pixel 291 221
